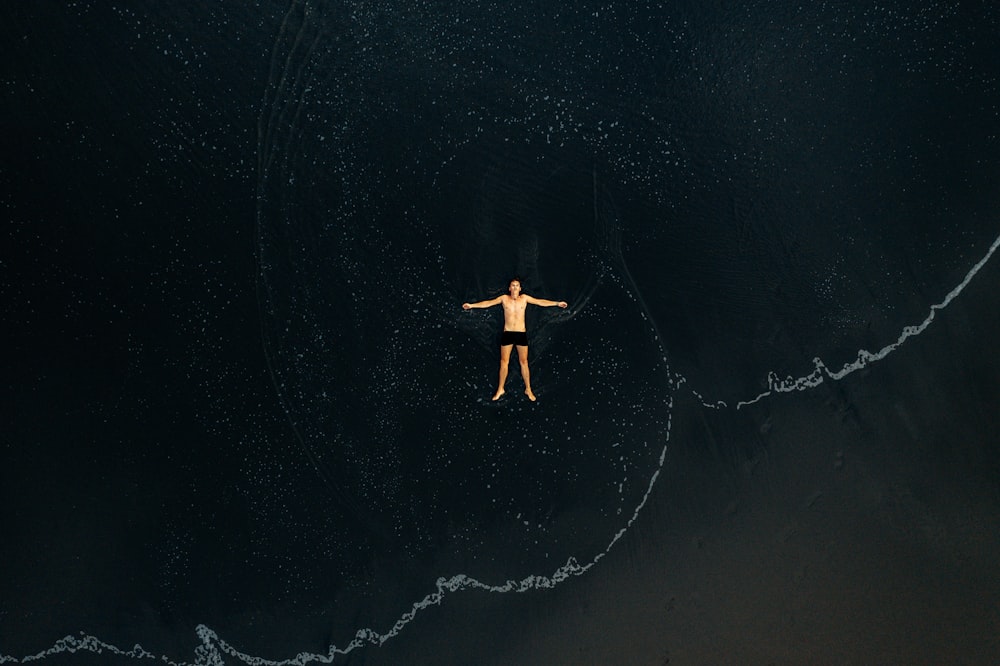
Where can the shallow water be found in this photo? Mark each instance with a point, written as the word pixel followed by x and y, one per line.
pixel 249 415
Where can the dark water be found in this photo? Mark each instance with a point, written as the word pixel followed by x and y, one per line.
pixel 246 418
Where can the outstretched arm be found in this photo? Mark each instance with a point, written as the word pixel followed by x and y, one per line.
pixel 543 302
pixel 482 304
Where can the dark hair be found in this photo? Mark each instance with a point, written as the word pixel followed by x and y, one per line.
pixel 516 278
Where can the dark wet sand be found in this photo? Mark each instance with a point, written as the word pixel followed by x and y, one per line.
pixel 858 528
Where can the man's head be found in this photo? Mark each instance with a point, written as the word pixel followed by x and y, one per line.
pixel 514 287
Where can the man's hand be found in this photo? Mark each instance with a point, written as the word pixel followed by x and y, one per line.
pixel 466 306
pixel 563 304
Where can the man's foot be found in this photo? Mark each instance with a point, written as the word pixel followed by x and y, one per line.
pixel 498 394
pixel 531 396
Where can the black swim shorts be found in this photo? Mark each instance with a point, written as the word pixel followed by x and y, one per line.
pixel 519 338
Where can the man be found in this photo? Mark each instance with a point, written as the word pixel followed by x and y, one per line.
pixel 514 305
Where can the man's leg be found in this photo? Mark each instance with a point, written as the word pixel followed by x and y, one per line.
pixel 504 360
pixel 522 356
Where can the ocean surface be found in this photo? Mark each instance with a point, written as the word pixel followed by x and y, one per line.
pixel 246 421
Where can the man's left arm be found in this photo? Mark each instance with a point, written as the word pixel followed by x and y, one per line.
pixel 544 302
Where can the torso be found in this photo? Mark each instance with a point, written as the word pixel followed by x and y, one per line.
pixel 513 312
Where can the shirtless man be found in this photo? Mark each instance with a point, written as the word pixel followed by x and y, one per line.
pixel 514 333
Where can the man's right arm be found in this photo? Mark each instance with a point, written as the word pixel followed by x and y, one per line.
pixel 483 304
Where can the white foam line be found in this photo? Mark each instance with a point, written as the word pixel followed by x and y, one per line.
pixel 210 653
pixel 864 358
pixel 87 643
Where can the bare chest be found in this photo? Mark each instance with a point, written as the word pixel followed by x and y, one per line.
pixel 514 308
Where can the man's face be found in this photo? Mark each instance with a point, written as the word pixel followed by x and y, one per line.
pixel 515 288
